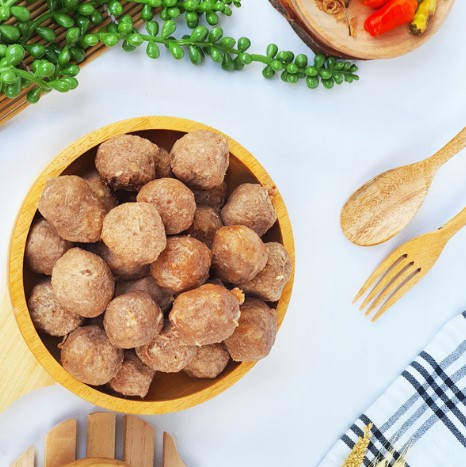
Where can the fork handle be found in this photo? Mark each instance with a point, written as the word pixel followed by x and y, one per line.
pixel 454 225
pixel 455 145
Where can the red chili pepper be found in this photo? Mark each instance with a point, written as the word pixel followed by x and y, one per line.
pixel 374 3
pixel 391 15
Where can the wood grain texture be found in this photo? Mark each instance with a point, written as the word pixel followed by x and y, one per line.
pixel 101 435
pixel 384 205
pixel 26 459
pixel 169 392
pixel 171 457
pixel 323 34
pixel 138 442
pixel 97 462
pixel 60 444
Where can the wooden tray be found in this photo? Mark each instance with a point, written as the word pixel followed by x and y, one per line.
pixel 10 107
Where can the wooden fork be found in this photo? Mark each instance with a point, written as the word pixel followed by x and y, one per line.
pixel 405 267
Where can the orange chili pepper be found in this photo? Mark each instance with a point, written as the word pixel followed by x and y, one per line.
pixel 391 15
pixel 374 3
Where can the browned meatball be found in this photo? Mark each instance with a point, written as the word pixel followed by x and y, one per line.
pixel 183 265
pixel 255 335
pixel 250 205
pixel 100 189
pixel 174 202
pixel 206 315
pixel 166 353
pixel 209 361
pixel 47 314
pixel 215 197
pixel 82 283
pixel 132 319
pixel 134 377
pixel 200 158
pixel 69 205
pixel 88 355
pixel 269 283
pixel 146 284
pixel 126 161
pixel 238 254
pixel 134 232
pixel 162 164
pixel 206 222
pixel 44 247
pixel 121 269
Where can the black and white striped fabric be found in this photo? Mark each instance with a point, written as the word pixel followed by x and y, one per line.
pixel 422 415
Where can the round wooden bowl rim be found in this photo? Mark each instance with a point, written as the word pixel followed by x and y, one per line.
pixel 18 242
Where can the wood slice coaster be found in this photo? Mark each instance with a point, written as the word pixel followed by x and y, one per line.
pixel 324 34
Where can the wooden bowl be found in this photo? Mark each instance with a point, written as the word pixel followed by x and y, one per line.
pixel 324 34
pixel 169 392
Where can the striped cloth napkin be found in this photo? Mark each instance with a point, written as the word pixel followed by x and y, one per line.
pixel 420 420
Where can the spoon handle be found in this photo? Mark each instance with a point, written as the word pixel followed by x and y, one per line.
pixel 454 225
pixel 455 145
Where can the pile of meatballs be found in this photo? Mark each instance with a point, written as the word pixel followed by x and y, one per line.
pixel 146 266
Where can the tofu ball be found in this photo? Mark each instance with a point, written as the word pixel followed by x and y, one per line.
pixel 250 205
pixel 134 232
pixel 134 377
pixel 132 319
pixel 215 197
pixel 47 314
pixel 162 164
pixel 209 361
pixel 121 269
pixel 44 247
pixel 88 355
pixel 126 161
pixel 146 284
pixel 174 202
pixel 183 265
pixel 255 335
pixel 238 254
pixel 269 283
pixel 200 159
pixel 100 189
pixel 82 283
pixel 166 353
pixel 206 222
pixel 69 205
pixel 206 315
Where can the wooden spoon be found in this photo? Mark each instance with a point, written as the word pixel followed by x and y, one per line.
pixel 384 205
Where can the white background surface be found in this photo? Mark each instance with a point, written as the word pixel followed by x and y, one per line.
pixel 328 363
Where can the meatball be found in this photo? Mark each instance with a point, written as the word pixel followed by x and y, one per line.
pixel 206 222
pixel 47 314
pixel 206 315
pixel 69 205
pixel 89 356
pixel 269 283
pixel 44 247
pixel 174 201
pixel 121 269
pixel 134 377
pixel 215 197
pixel 132 319
pixel 209 361
pixel 82 283
pixel 100 189
pixel 126 161
pixel 238 254
pixel 255 335
pixel 250 205
pixel 162 164
pixel 146 284
pixel 166 353
pixel 134 232
pixel 183 265
pixel 200 158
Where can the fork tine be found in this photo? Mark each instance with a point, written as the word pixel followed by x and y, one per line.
pixel 391 286
pixel 383 267
pixel 410 282
pixel 389 275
